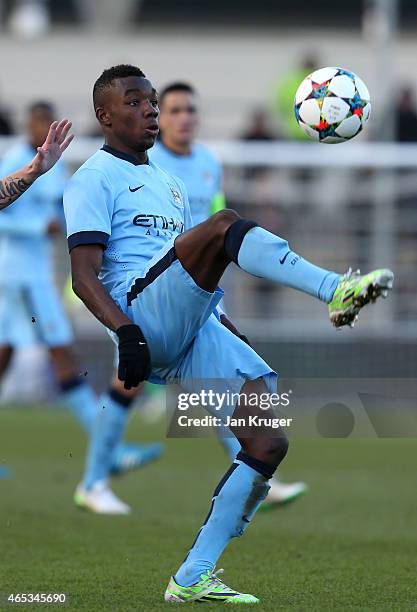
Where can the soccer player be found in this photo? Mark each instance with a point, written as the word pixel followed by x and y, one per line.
pixel 179 154
pixel 12 187
pixel 30 308
pixel 153 282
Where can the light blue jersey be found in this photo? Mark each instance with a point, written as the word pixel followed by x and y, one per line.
pixel 202 176
pixel 131 209
pixel 25 248
pixel 135 212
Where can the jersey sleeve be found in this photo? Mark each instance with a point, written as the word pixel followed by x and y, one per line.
pixel 88 208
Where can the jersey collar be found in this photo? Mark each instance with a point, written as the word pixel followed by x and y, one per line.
pixel 121 155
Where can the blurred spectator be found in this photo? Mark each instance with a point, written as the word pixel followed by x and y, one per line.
pixel 108 14
pixel 406 116
pixel 258 127
pixel 29 19
pixel 283 96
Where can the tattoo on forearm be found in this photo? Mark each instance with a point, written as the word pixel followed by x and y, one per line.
pixel 10 189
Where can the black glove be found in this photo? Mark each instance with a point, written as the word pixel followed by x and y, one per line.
pixel 134 356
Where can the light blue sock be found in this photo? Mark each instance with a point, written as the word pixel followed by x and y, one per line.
pixel 107 432
pixel 235 501
pixel 268 256
pixel 81 400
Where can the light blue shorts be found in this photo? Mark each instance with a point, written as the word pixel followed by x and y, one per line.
pixel 187 343
pixel 32 314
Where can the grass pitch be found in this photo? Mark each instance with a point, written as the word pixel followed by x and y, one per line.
pixel 350 544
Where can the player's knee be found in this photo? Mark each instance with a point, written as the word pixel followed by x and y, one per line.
pixel 275 449
pixel 222 220
pixel 269 450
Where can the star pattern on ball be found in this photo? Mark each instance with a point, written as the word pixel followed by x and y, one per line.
pixel 332 105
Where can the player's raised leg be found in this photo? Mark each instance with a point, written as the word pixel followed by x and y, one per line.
pixel 206 250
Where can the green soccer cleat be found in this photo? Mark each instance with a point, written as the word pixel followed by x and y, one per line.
pixel 208 588
pixel 355 291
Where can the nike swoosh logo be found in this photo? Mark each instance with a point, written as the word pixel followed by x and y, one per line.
pixel 136 188
pixel 142 343
pixel 282 260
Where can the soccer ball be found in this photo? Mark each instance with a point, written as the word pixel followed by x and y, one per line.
pixel 332 105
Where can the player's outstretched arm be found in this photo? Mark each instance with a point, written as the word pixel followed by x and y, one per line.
pixel 134 357
pixel 12 187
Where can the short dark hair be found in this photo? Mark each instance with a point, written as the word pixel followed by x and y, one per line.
pixel 41 105
pixel 177 86
pixel 105 80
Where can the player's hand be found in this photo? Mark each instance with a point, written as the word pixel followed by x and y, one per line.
pixel 55 144
pixel 134 356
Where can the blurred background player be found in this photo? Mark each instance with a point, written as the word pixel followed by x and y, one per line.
pixel 13 186
pixel 30 308
pixel 179 154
